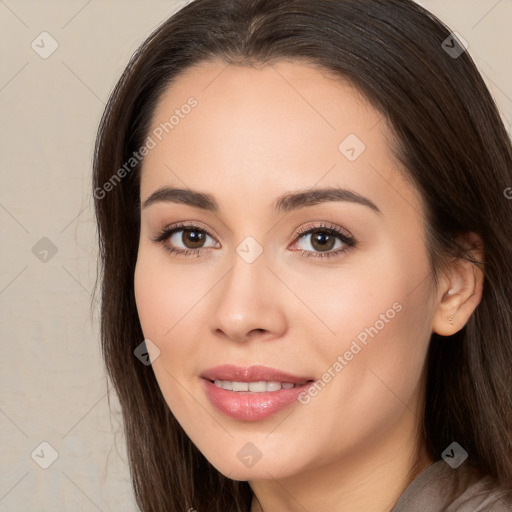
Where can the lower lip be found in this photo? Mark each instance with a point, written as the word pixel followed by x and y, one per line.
pixel 247 406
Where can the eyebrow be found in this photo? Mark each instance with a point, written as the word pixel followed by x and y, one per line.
pixel 283 204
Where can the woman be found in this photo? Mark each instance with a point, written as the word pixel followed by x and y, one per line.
pixel 304 228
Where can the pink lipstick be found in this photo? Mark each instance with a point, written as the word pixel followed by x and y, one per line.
pixel 252 393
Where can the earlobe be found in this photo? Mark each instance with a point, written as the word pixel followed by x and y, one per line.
pixel 460 291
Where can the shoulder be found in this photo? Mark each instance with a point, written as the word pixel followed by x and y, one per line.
pixel 439 488
pixel 482 496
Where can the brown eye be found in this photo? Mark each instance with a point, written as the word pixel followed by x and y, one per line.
pixel 185 239
pixel 322 241
pixel 193 238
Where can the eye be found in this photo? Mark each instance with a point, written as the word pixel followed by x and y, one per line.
pixel 323 240
pixel 185 239
pixel 314 241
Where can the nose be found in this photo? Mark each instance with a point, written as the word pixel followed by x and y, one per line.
pixel 249 303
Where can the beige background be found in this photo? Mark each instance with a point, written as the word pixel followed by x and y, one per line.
pixel 52 379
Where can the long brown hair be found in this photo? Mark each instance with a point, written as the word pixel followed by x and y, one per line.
pixel 457 154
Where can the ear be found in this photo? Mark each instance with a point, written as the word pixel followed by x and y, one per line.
pixel 460 289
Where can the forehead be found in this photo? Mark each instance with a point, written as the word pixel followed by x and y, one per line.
pixel 265 130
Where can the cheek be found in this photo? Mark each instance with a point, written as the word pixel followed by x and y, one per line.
pixel 160 305
pixel 382 318
pixel 165 293
pixel 148 295
pixel 378 292
pixel 170 301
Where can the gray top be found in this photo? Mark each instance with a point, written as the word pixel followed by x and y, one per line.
pixel 439 488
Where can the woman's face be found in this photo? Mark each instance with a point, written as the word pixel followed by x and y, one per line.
pixel 332 287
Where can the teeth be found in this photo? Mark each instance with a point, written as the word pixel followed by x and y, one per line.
pixel 273 386
pixel 257 387
pixel 240 386
pixel 254 387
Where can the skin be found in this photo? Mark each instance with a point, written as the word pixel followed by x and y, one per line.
pixel 255 134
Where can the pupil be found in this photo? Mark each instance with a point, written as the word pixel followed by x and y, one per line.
pixel 324 240
pixel 192 239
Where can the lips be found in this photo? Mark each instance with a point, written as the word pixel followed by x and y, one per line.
pixel 252 374
pixel 247 405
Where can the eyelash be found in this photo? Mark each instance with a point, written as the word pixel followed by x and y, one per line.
pixel 349 241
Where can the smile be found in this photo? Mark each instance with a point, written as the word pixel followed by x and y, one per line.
pixel 255 387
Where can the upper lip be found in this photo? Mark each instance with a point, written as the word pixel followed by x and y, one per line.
pixel 253 373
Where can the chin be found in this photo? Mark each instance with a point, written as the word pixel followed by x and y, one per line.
pixel 259 470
